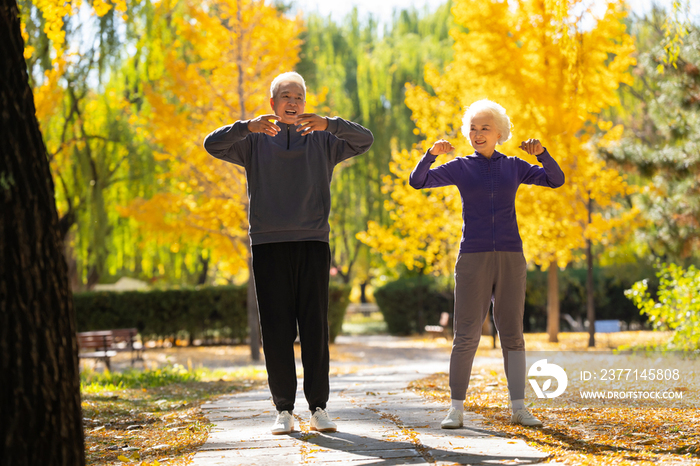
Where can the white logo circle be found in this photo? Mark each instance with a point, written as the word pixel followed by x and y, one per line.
pixel 542 369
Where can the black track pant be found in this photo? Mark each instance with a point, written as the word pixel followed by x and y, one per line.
pixel 291 281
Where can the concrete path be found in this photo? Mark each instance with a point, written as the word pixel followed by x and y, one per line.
pixel 379 422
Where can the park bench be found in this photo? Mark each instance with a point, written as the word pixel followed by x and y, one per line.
pixel 440 330
pixel 365 309
pixel 105 344
pixel 607 327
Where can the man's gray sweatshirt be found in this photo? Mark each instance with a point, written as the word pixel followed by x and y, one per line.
pixel 289 175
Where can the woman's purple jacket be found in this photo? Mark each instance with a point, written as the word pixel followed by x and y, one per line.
pixel 488 188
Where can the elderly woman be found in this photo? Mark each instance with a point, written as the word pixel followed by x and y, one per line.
pixel 491 266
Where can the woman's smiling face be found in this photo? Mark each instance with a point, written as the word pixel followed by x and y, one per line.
pixel 483 133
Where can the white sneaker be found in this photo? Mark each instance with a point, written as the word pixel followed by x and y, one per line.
pixel 321 422
pixel 284 423
pixel 524 418
pixel 453 420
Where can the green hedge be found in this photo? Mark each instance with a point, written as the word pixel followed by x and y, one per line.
pixel 166 313
pixel 198 312
pixel 409 304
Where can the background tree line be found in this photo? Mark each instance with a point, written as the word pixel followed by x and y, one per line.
pixel 116 183
pixel 126 97
pixel 126 91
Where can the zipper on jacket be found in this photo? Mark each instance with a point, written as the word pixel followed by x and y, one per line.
pixel 493 213
pixel 288 137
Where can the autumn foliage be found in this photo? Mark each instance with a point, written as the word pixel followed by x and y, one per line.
pixel 553 72
pixel 218 61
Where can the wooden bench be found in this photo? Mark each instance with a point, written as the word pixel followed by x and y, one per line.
pixel 105 344
pixel 441 329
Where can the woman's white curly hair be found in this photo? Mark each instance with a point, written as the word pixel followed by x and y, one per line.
pixel 503 124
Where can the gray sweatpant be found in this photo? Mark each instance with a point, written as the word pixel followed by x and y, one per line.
pixel 480 278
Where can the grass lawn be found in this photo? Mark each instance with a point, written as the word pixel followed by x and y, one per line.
pixel 598 433
pixel 361 324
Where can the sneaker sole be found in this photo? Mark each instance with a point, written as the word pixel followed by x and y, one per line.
pixel 327 429
pixel 282 432
pixel 526 425
pixel 451 427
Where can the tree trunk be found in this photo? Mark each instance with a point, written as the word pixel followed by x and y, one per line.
pixel 98 251
pixel 202 279
pixel 487 327
pixel 553 302
pixel 74 281
pixel 590 307
pixel 41 420
pixel 253 318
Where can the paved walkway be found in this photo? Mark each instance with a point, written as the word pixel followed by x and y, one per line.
pixel 379 422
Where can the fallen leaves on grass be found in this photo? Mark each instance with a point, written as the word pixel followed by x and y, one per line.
pixel 152 425
pixel 585 435
pixel 607 435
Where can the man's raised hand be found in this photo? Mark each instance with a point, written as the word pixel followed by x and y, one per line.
pixel 309 122
pixel 441 147
pixel 262 124
pixel 532 146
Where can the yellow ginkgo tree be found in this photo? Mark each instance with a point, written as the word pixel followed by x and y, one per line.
pixel 218 60
pixel 554 66
pixel 80 105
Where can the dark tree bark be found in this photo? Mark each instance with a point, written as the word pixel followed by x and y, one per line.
pixel 590 303
pixel 553 302
pixel 253 317
pixel 202 279
pixel 40 415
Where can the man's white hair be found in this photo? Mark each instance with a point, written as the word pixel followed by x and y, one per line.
pixel 500 117
pixel 289 76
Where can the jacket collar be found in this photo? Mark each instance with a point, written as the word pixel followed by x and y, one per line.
pixel 287 131
pixel 494 156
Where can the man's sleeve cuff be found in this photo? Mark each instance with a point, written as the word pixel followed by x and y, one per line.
pixel 332 124
pixel 244 130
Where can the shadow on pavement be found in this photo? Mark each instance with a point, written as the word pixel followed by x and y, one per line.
pixel 397 452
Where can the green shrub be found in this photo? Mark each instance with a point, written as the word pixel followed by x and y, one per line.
pixel 677 306
pixel 409 304
pixel 197 312
pixel 339 298
pixel 167 313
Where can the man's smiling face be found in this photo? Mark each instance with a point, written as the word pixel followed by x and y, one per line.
pixel 289 102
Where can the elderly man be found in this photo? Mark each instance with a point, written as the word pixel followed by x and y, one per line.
pixel 289 158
